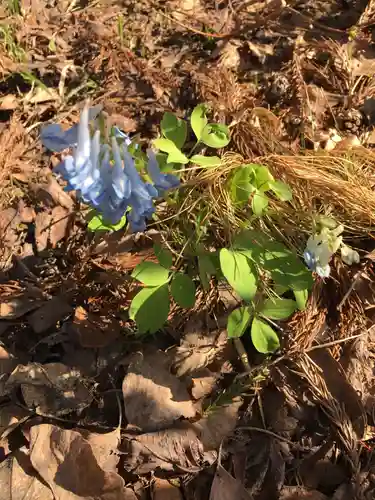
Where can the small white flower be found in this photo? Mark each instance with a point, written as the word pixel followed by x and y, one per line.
pixel 349 256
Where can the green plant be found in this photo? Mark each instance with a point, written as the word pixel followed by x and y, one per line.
pixel 253 261
pixel 175 134
pixel 150 307
pixel 253 181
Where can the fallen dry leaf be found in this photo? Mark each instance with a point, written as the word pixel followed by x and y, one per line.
pixel 19 480
pixel 341 390
pixel 46 316
pixel 9 101
pixel 59 225
pixel 9 222
pixel 26 214
pixel 301 493
pixel 164 490
pixel 226 487
pixel 219 424
pixel 177 449
pixel 95 330
pixel 18 304
pixel 42 228
pixel 66 462
pixel 154 398
pixel 197 350
pixel 10 416
pixel 104 447
pixel 7 364
pixel 56 192
pixel 203 383
pixel 52 388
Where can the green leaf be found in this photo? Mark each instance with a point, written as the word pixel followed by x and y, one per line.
pixel 206 270
pixel 215 135
pixel 259 203
pixel 183 290
pixel 174 129
pixel 165 145
pixel 206 161
pixel 285 267
pixel 150 274
pixel 264 338
pixel 238 321
pixel 278 308
pixel 240 185
pixel 164 256
pixel 150 308
pixel 97 223
pixel 262 177
pixel 301 298
pixel 239 273
pixel 281 190
pixel 175 155
pixel 198 120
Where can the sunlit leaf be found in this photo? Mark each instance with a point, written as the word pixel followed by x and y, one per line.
pixel 215 135
pixel 205 161
pixel 264 338
pixel 163 255
pixel 301 298
pixel 241 186
pixel 238 321
pixel 239 273
pixel 97 223
pixel 183 290
pixel 174 129
pixel 150 308
pixel 198 120
pixel 150 273
pixel 259 203
pixel 281 190
pixel 278 308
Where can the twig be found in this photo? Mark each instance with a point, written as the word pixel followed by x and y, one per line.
pixel 242 354
pixel 356 278
pixel 340 341
pixel 269 433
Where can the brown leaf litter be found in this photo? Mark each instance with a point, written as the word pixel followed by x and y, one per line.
pixel 51 388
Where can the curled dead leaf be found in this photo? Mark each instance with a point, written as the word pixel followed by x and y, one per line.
pixel 95 330
pixel 57 194
pixel 66 462
pixel 218 424
pixel 59 225
pixel 46 316
pixel 17 304
pixel 177 449
pixel 153 397
pixel 197 350
pixel 52 388
pixel 226 487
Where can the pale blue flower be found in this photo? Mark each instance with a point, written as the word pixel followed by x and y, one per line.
pixel 318 254
pixel 161 181
pixel 104 175
pixel 56 139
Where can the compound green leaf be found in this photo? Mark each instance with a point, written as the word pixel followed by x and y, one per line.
pixel 183 290
pixel 239 273
pixel 215 135
pixel 241 186
pixel 97 223
pixel 177 157
pixel 150 308
pixel 174 129
pixel 238 321
pixel 259 202
pixel 165 145
pixel 281 190
pixel 150 274
pixel 264 338
pixel 164 256
pixel 205 161
pixel 198 120
pixel 263 177
pixel 301 298
pixel 278 308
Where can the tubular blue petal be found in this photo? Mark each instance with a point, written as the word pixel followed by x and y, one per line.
pixel 161 181
pixel 56 139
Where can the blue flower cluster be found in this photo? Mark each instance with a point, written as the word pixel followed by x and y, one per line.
pixel 104 174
